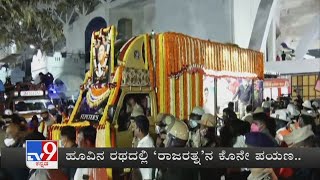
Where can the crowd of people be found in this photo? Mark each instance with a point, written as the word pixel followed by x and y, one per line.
pixel 292 125
pixel 18 131
pixel 278 123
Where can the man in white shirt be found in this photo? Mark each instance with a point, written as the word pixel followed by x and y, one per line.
pixel 248 117
pixel 145 141
pixel 266 105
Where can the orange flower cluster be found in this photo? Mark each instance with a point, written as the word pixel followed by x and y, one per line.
pixel 210 55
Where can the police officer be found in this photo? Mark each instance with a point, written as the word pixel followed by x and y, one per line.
pixel 177 136
pixel 194 134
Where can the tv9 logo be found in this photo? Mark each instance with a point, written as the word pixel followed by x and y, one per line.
pixel 42 154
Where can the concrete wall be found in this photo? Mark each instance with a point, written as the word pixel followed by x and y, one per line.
pixel 75 35
pixel 207 19
pixel 293 67
pixel 142 17
pixel 244 15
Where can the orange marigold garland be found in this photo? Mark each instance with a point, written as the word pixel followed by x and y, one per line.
pixel 167 84
pixel 157 68
pixel 185 81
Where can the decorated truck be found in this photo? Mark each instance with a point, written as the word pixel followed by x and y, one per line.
pixel 163 73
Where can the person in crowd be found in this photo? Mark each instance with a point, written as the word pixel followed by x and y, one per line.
pixel 240 128
pixel 47 121
pixel 68 140
pixel 34 125
pixel 228 113
pixel 86 138
pixel 232 135
pixel 23 124
pixel 227 135
pixel 316 109
pixel 14 139
pixel 207 130
pixel 315 106
pixel 133 105
pixel 261 123
pixel 283 56
pixel 132 124
pixel 283 123
pixel 69 110
pixel 293 110
pixel 308 109
pixel 258 139
pixel 177 136
pixel 6 118
pixel 305 120
pixel 302 138
pixel 244 94
pixel 68 137
pixel 266 105
pixel 145 141
pixel 14 136
pixel 207 139
pixel 299 102
pixel 194 133
pixel 54 114
pixel 249 116
pixel 162 120
pixel 160 125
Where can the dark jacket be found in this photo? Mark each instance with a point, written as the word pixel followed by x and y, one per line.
pixel 245 94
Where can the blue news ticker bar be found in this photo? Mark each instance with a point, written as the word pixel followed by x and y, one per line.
pixel 173 157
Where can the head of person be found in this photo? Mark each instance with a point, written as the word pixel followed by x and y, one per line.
pixel 307 105
pixel 249 108
pixel 68 136
pixel 300 137
pixel 142 126
pixel 45 115
pixel 132 101
pixel 34 123
pixel 41 75
pixel 294 113
pixel 7 115
pixel 306 119
pixel 259 122
pixel 245 83
pixel 16 119
pixel 268 99
pixel 207 122
pixel 23 124
pixel 86 137
pixel 231 106
pixel 195 116
pixel 177 134
pixel 162 121
pixel 315 105
pixel 70 109
pixel 52 110
pixel 206 92
pixel 135 113
pixel 12 134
